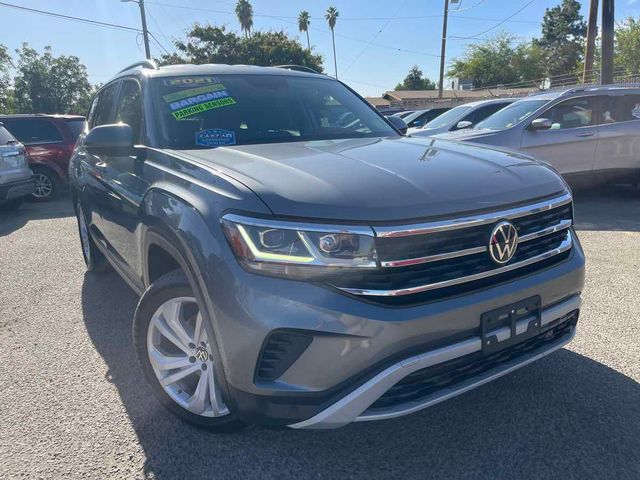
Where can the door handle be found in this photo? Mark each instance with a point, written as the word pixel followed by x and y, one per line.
pixel 585 134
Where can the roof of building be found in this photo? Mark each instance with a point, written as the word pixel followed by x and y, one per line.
pixel 401 95
pixel 378 101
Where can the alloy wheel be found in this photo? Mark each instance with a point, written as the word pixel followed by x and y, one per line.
pixel 180 355
pixel 44 186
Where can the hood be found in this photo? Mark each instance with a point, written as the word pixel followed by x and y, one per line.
pixel 469 134
pixel 381 179
pixel 426 132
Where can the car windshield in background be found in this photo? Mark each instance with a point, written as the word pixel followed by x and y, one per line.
pixel 210 111
pixel 447 117
pixel 511 115
pixel 76 125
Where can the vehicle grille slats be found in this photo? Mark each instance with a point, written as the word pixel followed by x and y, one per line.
pixel 419 262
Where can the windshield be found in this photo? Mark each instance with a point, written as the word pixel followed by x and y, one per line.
pixel 511 114
pixel 211 111
pixel 448 117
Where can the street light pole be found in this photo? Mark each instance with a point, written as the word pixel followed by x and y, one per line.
pixel 443 47
pixel 145 33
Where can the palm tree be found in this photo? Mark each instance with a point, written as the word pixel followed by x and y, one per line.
pixel 332 16
pixel 304 20
pixel 244 12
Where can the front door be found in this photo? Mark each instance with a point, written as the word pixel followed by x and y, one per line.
pixel 570 144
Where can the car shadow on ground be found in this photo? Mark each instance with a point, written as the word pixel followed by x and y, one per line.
pixel 612 208
pixel 565 416
pixel 12 220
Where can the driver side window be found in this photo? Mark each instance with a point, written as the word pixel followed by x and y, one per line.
pixel 573 113
pixel 129 108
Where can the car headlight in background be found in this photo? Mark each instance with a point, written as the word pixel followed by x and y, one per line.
pixel 15 159
pixel 302 251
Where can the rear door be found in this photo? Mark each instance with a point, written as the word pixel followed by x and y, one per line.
pixel 570 144
pixel 618 150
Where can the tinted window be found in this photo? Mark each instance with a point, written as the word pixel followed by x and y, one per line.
pixel 511 114
pixel 129 109
pixel 106 99
pixel 91 116
pixel 483 112
pixel 76 126
pixel 574 113
pixel 620 108
pixel 30 131
pixel 209 111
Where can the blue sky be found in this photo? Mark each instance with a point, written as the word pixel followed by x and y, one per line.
pixel 368 33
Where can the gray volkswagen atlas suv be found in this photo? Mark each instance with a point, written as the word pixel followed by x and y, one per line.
pixel 302 263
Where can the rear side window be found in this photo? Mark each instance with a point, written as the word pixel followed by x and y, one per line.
pixel 129 109
pixel 106 101
pixel 33 131
pixel 574 113
pixel 620 108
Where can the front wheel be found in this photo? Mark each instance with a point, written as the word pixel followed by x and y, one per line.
pixel 176 356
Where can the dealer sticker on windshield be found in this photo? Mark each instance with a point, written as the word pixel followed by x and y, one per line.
pixel 202 107
pixel 215 137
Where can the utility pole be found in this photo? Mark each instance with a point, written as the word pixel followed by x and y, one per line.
pixel 608 16
pixel 592 31
pixel 443 48
pixel 145 33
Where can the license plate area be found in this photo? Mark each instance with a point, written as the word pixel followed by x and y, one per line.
pixel 511 324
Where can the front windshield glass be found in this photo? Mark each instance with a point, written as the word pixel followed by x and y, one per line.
pixel 201 111
pixel 511 114
pixel 448 117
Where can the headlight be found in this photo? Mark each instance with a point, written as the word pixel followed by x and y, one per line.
pixel 302 251
pixel 14 159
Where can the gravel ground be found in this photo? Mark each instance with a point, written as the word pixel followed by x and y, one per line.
pixel 73 403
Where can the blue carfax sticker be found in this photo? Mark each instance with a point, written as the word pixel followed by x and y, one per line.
pixel 215 137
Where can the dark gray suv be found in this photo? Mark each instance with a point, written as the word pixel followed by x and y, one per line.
pixel 302 263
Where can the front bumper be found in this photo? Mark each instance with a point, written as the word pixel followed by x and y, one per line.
pixel 16 189
pixel 360 349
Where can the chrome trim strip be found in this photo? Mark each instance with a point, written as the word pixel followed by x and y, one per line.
pixel 471 221
pixel 563 225
pixel 351 407
pixel 297 226
pixel 563 247
pixel 433 258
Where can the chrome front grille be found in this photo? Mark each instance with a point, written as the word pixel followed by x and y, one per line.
pixel 442 254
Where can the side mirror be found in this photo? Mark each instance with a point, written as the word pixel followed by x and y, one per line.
pixel 541 124
pixel 398 123
pixel 116 139
pixel 463 124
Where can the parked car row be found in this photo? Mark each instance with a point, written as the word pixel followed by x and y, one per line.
pixel 48 141
pixel 16 180
pixel 589 134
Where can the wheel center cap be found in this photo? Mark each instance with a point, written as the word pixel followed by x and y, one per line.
pixel 201 354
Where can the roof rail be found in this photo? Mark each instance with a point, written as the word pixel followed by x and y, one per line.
pixel 298 68
pixel 142 63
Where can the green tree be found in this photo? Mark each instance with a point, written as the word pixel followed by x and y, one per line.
pixel 244 12
pixel 332 17
pixel 562 41
pixel 627 57
pixel 45 83
pixel 304 20
pixel 6 95
pixel 415 81
pixel 209 44
pixel 496 61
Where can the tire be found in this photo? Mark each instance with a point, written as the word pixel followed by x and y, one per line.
pixel 11 204
pixel 47 184
pixel 185 364
pixel 94 260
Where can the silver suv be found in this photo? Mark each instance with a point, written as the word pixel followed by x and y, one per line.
pixel 589 134
pixel 16 182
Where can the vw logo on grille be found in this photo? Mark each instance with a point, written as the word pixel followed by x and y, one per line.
pixel 503 242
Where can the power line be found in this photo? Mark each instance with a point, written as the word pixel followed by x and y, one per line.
pixel 69 17
pixel 499 23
